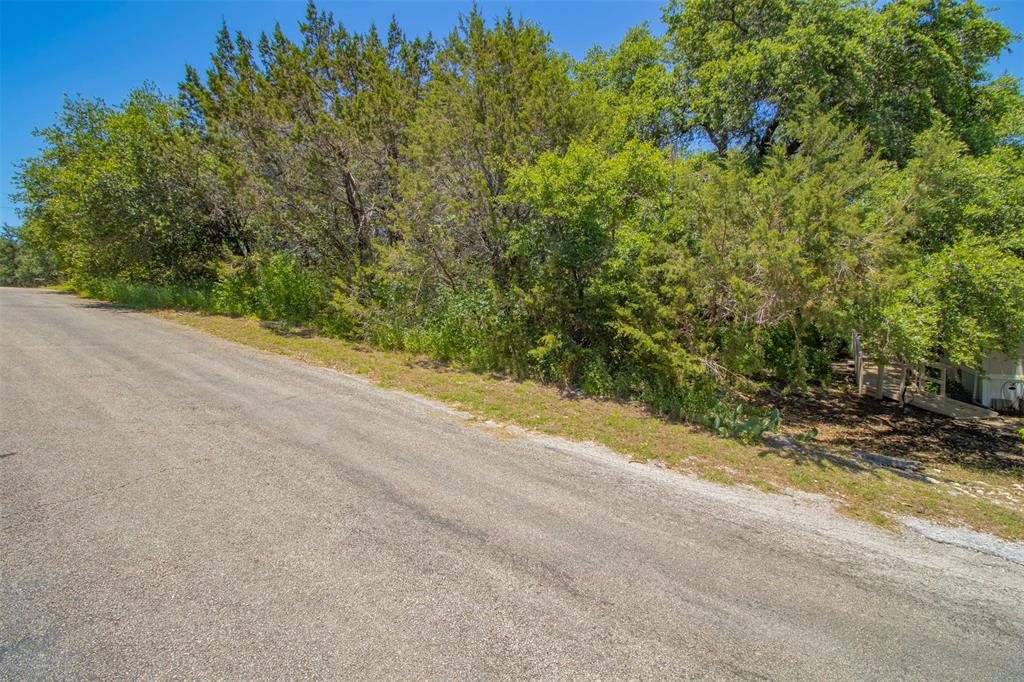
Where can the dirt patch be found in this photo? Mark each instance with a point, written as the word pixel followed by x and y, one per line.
pixel 844 419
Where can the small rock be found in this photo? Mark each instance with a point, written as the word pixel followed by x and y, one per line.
pixel 777 441
pixel 890 462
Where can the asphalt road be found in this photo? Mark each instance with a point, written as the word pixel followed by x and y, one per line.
pixel 176 506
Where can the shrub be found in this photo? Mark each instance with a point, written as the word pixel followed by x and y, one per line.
pixel 144 295
pixel 275 287
pixel 779 355
pixel 234 292
pixel 740 421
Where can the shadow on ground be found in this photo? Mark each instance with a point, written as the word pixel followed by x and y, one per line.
pixel 846 419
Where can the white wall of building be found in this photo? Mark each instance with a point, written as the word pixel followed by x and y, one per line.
pixel 1003 378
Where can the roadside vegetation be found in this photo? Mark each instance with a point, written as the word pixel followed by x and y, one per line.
pixel 693 222
pixel 983 499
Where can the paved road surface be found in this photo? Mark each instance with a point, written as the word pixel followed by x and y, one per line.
pixel 176 506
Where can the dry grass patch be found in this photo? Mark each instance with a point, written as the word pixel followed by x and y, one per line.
pixel 987 501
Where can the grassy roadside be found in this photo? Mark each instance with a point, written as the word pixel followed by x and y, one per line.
pixel 992 502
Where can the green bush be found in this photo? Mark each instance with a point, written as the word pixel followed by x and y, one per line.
pixel 469 327
pixel 779 355
pixel 286 291
pixel 595 377
pixel 144 295
pixel 458 327
pixel 740 421
pixel 234 292
pixel 275 287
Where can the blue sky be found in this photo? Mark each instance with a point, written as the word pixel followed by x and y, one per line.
pixel 104 49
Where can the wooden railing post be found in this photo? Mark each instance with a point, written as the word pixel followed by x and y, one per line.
pixel 881 380
pixel 858 364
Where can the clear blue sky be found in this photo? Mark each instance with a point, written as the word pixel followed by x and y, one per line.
pixel 104 49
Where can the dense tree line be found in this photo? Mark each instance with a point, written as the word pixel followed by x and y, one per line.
pixel 664 219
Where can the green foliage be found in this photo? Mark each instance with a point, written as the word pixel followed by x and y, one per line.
pixel 669 220
pixel 579 206
pixel 808 435
pixel 461 326
pixel 235 290
pixel 778 350
pixel 966 300
pixel 271 287
pixel 788 243
pixel 144 295
pixel 632 91
pixel 25 261
pixel 890 69
pixel 953 194
pixel 113 193
pixel 738 422
pixel 956 291
pixel 498 96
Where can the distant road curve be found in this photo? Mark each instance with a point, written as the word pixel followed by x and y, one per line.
pixel 174 505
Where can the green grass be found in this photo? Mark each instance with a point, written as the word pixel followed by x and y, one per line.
pixel 144 296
